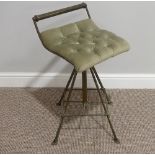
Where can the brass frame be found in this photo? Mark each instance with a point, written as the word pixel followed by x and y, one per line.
pixel 72 78
pixel 97 81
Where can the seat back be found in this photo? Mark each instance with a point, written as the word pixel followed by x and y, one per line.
pixel 37 18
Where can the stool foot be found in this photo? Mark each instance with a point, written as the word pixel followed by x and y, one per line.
pixel 55 142
pixel 116 140
pixel 58 104
pixel 110 102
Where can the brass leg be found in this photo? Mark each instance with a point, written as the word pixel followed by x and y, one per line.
pixel 65 90
pixel 102 87
pixel 84 87
pixel 116 140
pixel 55 141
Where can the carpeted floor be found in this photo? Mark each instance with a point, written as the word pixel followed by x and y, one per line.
pixel 29 119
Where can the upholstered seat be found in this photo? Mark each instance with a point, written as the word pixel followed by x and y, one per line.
pixel 83 44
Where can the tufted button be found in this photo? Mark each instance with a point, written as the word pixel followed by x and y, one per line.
pixel 77 42
pixel 78 50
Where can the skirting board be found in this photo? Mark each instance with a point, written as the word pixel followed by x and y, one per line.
pixel 122 81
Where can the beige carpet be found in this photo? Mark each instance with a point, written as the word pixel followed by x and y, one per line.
pixel 29 120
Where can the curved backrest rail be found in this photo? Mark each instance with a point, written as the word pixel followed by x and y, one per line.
pixel 37 18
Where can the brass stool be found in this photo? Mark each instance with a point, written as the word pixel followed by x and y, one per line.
pixel 83 44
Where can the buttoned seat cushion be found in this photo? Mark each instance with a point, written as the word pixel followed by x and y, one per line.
pixel 83 44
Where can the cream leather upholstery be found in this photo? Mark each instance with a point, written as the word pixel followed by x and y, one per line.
pixel 83 44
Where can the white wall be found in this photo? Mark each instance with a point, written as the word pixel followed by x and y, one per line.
pixel 21 50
